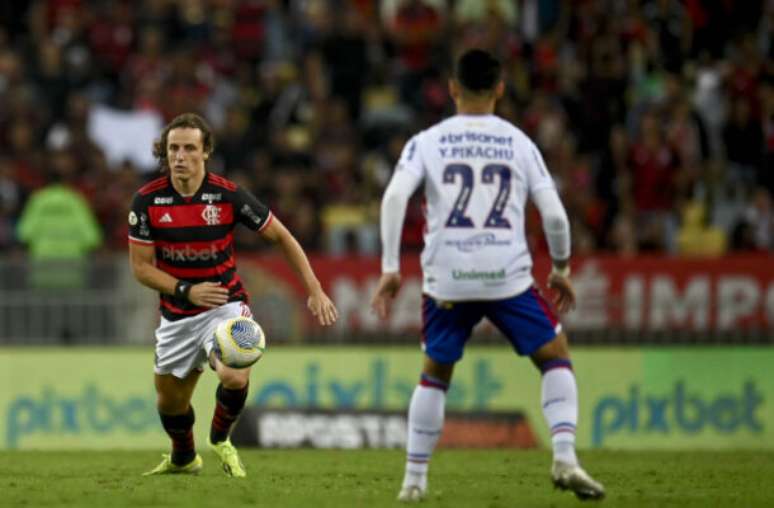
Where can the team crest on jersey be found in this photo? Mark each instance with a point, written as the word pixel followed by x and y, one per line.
pixel 211 215
pixel 132 219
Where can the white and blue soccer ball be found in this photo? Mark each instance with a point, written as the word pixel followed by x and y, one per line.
pixel 239 342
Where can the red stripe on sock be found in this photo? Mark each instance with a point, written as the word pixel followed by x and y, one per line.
pixel 183 441
pixel 222 420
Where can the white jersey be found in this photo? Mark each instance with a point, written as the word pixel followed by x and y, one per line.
pixel 478 172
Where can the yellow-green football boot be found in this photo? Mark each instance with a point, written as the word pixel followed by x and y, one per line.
pixel 168 467
pixel 229 458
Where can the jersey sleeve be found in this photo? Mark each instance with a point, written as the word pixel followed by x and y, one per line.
pixel 139 221
pixel 538 177
pixel 410 159
pixel 248 210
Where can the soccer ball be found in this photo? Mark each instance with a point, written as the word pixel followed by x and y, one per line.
pixel 239 342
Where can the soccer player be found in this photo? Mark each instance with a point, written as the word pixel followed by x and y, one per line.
pixel 181 244
pixel 478 171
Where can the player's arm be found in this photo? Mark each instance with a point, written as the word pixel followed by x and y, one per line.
pixel 556 227
pixel 393 213
pixel 205 294
pixel 318 303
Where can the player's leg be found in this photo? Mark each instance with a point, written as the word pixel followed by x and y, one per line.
pixel 230 397
pixel 177 417
pixel 559 396
pixel 559 400
pixel 446 326
pixel 425 422
pixel 534 330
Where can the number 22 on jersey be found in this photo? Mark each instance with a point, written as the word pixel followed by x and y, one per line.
pixel 495 219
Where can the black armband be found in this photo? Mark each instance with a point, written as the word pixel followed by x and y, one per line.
pixel 182 288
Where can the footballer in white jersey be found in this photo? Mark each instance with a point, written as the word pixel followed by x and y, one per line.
pixel 478 172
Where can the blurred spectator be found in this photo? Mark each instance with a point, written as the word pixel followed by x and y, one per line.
pixel 612 183
pixel 10 200
pixel 754 230
pixel 111 200
pixel 415 27
pixel 695 237
pixel 654 170
pixel 743 138
pixel 59 228
pixel 623 238
pixel 345 51
pixel 760 217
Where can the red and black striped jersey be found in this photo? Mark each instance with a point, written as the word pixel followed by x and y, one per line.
pixel 193 236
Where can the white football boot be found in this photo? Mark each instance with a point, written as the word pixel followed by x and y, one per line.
pixel 573 477
pixel 411 494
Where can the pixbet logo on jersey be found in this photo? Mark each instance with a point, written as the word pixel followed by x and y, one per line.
pixel 188 254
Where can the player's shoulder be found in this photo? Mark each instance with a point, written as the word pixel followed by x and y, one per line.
pixel 221 182
pixel 434 134
pixel 155 191
pixel 437 130
pixel 418 138
pixel 156 185
pixel 519 136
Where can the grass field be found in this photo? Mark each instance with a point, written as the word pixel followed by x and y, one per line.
pixel 313 478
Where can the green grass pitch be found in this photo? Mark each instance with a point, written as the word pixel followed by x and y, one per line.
pixel 317 479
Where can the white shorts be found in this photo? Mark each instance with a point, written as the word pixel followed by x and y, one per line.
pixel 185 344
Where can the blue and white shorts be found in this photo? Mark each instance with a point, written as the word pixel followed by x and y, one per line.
pixel 526 320
pixel 185 345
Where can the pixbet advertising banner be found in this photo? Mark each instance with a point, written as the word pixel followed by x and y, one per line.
pixel 670 398
pixel 641 294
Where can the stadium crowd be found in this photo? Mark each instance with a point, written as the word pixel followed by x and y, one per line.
pixel 655 117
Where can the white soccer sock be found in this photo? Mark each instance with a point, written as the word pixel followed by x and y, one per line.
pixel 559 399
pixel 425 421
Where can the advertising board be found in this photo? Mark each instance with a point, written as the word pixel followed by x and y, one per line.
pixel 640 294
pixel 671 398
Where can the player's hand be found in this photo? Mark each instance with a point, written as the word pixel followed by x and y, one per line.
pixel 322 308
pixel 208 294
pixel 564 299
pixel 388 287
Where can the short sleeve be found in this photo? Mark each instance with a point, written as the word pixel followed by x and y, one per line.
pixel 411 159
pixel 248 210
pixel 139 222
pixel 538 177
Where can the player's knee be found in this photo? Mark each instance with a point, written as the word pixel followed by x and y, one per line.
pixel 172 403
pixel 440 371
pixel 233 379
pixel 555 349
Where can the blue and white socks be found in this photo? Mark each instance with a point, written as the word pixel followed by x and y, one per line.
pixel 559 399
pixel 425 422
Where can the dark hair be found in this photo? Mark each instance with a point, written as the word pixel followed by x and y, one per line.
pixel 478 71
pixel 186 120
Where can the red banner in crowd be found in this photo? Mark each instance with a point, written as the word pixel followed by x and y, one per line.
pixel 642 293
